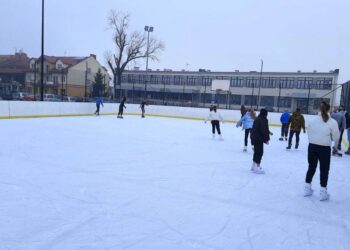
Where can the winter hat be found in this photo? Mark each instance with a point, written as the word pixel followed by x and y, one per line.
pixel 263 112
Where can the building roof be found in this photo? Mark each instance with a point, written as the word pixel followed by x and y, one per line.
pixel 17 63
pixel 68 60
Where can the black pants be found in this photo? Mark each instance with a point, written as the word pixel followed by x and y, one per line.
pixel 143 111
pixel 97 109
pixel 246 134
pixel 322 154
pixel 284 130
pixel 291 134
pixel 121 110
pixel 258 152
pixel 215 124
pixel 340 139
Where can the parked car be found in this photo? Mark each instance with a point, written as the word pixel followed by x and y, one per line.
pixel 51 98
pixel 6 96
pixel 69 99
pixel 19 95
pixel 31 98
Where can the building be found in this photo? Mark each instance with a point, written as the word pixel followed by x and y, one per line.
pixel 345 96
pixel 13 70
pixel 70 76
pixel 278 90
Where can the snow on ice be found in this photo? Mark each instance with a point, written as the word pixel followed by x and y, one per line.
pixel 155 183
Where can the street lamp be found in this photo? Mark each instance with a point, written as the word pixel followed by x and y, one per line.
pixel 261 70
pixel 148 29
pixel 42 51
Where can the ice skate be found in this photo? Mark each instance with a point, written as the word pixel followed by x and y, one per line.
pixel 324 194
pixel 259 170
pixel 335 152
pixel 347 152
pixel 281 139
pixel 286 139
pixel 289 146
pixel 308 191
pixel 296 146
pixel 245 149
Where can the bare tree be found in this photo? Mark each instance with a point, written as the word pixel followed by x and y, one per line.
pixel 128 46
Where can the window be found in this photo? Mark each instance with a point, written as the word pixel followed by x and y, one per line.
pixel 235 99
pixel 59 66
pixel 287 83
pixel 191 80
pixel 252 82
pixel 55 79
pixel 267 101
pixel 237 82
pixel 207 81
pixel 285 102
pixel 248 100
pixel 268 82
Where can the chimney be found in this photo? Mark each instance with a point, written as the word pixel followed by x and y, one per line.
pixel 94 56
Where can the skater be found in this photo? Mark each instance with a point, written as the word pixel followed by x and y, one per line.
pixel 247 123
pixel 321 132
pixel 243 110
pixel 339 117
pixel 215 118
pixel 260 134
pixel 142 107
pixel 121 108
pixel 347 117
pixel 285 125
pixel 296 123
pixel 99 102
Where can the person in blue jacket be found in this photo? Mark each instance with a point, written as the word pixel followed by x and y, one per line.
pixel 99 102
pixel 285 125
pixel 247 122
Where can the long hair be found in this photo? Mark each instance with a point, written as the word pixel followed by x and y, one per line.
pixel 324 108
pixel 214 109
pixel 252 114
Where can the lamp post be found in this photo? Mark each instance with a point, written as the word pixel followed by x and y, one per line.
pixel 261 70
pixel 148 29
pixel 42 51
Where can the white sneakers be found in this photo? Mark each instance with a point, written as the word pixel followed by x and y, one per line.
pixel 256 169
pixel 308 191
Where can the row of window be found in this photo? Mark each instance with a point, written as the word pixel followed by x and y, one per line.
pixel 243 82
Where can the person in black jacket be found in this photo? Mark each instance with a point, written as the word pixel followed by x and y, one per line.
pixel 347 117
pixel 142 107
pixel 121 107
pixel 260 134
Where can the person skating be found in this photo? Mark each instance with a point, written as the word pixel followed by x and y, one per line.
pixel 121 107
pixel 247 124
pixel 99 102
pixel 285 125
pixel 142 107
pixel 215 118
pixel 347 117
pixel 243 110
pixel 260 135
pixel 339 117
pixel 321 132
pixel 296 123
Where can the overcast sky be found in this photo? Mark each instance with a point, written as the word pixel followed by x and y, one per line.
pixel 222 35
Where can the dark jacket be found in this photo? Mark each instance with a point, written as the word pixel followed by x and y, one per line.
pixel 297 122
pixel 260 131
pixel 347 117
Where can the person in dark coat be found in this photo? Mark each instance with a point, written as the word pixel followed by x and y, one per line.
pixel 296 123
pixel 121 107
pixel 142 107
pixel 99 102
pixel 260 134
pixel 243 111
pixel 347 117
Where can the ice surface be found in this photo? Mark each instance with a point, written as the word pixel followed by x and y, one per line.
pixel 155 183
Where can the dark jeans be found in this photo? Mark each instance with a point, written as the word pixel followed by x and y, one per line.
pixel 322 154
pixel 215 124
pixel 246 134
pixel 97 109
pixel 284 130
pixel 258 152
pixel 340 139
pixel 143 111
pixel 121 110
pixel 291 134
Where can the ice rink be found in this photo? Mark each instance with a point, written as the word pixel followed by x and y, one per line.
pixel 159 184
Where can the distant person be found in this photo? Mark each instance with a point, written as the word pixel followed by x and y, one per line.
pixel 339 117
pixel 99 102
pixel 285 125
pixel 121 107
pixel 215 118
pixel 243 110
pixel 260 135
pixel 296 123
pixel 321 132
pixel 347 117
pixel 247 124
pixel 142 107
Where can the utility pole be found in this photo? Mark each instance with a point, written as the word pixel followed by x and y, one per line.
pixel 42 51
pixel 86 75
pixel 34 85
pixel 261 70
pixel 148 29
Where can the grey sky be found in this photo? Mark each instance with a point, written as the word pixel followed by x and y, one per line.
pixel 221 35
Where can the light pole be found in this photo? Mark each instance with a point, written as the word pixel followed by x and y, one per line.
pixel 148 29
pixel 42 51
pixel 261 70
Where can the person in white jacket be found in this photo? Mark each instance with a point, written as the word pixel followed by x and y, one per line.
pixel 215 118
pixel 321 132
